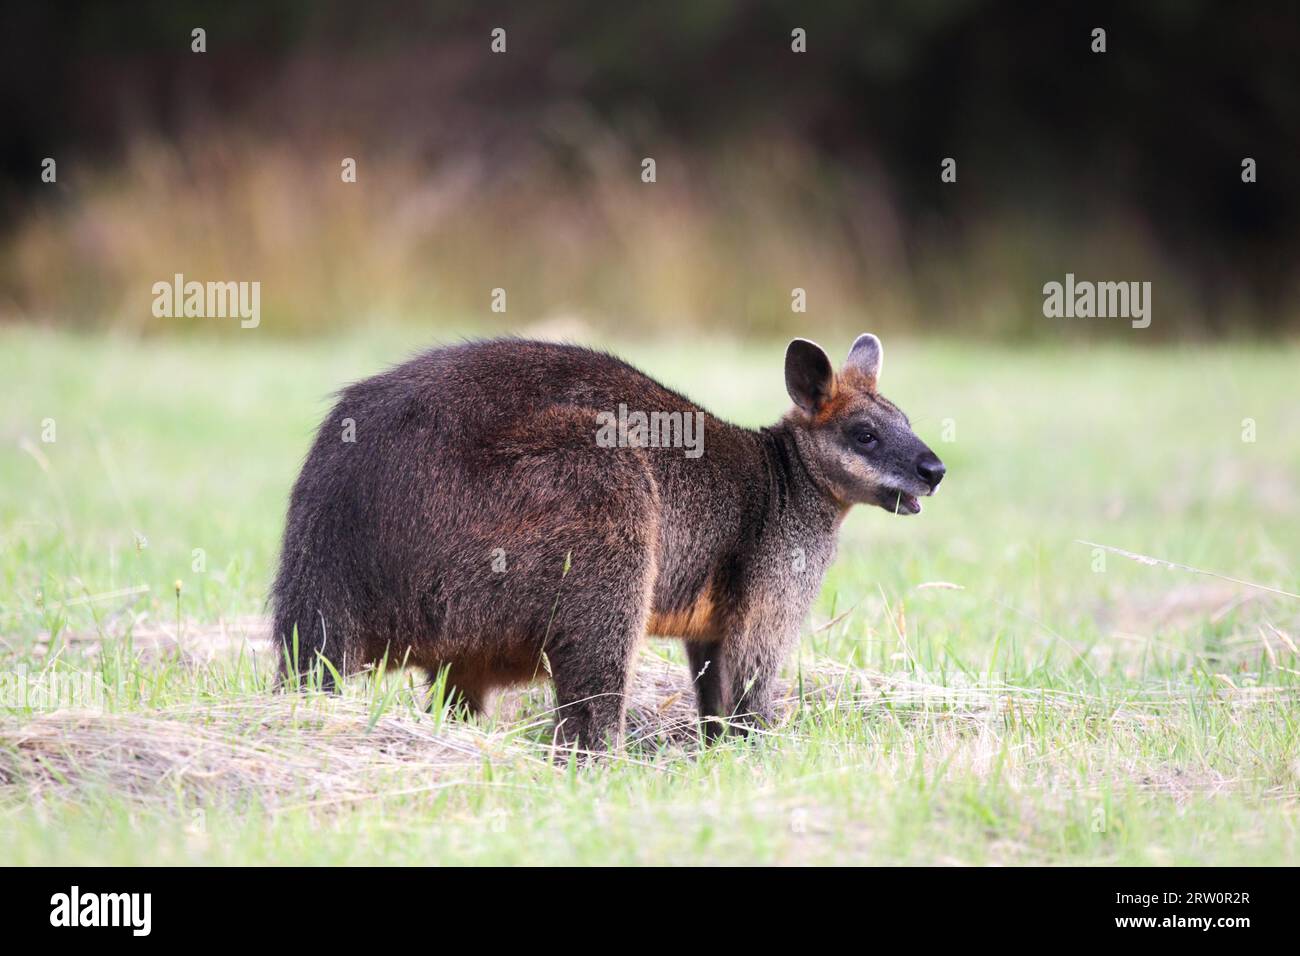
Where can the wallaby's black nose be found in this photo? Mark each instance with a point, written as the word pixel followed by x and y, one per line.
pixel 931 469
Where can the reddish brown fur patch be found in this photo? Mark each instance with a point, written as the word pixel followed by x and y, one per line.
pixel 847 385
pixel 475 677
pixel 696 622
pixel 857 380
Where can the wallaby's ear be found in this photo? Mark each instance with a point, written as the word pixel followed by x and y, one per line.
pixel 809 377
pixel 866 356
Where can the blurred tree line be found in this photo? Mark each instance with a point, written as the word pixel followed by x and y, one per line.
pixel 1140 146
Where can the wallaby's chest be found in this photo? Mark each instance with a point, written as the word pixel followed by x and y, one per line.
pixel 701 596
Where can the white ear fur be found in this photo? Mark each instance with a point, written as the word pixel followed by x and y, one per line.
pixel 867 356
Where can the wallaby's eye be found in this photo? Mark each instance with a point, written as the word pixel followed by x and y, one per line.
pixel 865 439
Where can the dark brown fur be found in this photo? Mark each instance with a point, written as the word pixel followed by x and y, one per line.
pixel 390 541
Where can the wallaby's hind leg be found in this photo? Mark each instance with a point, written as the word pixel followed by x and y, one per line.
pixel 708 676
pixel 593 647
pixel 591 674
pixel 584 518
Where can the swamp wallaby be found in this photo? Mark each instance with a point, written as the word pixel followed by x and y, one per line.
pixel 511 509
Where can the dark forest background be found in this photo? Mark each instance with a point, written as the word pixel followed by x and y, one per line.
pixel 774 169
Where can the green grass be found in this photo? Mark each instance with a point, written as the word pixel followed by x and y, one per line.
pixel 1059 707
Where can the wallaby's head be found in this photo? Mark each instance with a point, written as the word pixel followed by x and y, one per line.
pixel 859 444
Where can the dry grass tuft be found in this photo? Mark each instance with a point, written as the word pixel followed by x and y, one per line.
pixel 280 750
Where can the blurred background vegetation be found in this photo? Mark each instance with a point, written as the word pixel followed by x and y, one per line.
pixel 775 170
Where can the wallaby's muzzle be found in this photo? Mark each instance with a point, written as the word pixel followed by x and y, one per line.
pixel 931 470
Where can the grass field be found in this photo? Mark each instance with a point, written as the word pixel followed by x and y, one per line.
pixel 975 685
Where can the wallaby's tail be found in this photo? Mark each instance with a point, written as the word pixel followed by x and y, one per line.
pixel 300 630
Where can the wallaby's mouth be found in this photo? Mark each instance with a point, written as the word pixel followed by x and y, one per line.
pixel 900 502
pixel 908 504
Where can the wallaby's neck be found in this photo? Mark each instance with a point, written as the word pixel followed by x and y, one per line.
pixel 795 493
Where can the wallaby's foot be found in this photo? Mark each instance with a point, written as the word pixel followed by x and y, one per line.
pixel 754 724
